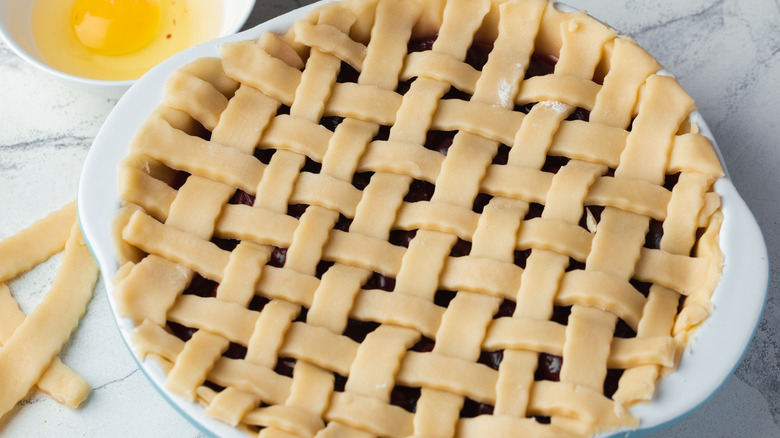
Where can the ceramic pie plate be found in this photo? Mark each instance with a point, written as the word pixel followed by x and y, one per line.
pixel 708 361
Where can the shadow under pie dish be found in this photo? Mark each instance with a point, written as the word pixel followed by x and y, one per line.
pixel 462 218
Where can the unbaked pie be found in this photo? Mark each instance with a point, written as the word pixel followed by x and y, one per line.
pixel 429 218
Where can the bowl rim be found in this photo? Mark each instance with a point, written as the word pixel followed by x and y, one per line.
pixel 241 16
pixel 745 266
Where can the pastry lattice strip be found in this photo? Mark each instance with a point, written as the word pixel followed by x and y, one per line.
pixel 271 76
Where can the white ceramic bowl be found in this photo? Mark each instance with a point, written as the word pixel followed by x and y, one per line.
pixel 707 363
pixel 15 30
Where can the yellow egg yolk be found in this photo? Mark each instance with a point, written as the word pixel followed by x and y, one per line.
pixel 115 27
pixel 119 39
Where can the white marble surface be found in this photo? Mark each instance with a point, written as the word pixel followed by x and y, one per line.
pixel 725 53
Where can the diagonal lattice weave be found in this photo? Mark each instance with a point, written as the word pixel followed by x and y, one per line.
pixel 300 153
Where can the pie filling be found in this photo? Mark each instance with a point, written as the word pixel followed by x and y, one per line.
pixel 527 254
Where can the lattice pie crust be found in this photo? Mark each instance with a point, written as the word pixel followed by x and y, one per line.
pixel 303 260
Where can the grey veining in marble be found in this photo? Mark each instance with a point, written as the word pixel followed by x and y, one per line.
pixel 725 53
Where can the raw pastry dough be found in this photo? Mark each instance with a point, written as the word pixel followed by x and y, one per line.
pixel 30 344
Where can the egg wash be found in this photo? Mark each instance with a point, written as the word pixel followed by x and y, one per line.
pixel 119 39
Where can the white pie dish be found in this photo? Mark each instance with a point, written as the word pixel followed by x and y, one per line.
pixel 707 362
pixel 15 30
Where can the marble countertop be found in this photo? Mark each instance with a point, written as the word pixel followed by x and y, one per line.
pixel 725 53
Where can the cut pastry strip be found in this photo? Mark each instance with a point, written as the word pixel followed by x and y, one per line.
pixel 232 405
pixel 194 362
pixel 59 381
pixel 35 343
pixel 36 243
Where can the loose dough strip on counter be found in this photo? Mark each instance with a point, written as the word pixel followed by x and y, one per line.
pixel 59 381
pixel 36 243
pixel 34 344
pixel 19 253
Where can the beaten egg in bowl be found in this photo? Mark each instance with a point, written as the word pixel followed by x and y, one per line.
pixel 119 39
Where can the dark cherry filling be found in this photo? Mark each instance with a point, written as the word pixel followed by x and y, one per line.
pixel 623 330
pixel 421 44
pixel 579 114
pixel 258 302
pixel 347 74
pixel 339 382
pixel 656 228
pixel 264 155
pixel 541 65
pixel 549 367
pixel 381 282
pixel 502 156
pixel 419 191
pixel 361 180
pixel 278 257
pixel 383 133
pixel 671 180
pixel 311 166
pixel 654 234
pixel 358 330
pixel 534 211
pixel 405 397
pixel 478 53
pixel 242 198
pixel 201 287
pixel 641 286
pixel 611 381
pixel 554 164
pixel 439 141
pixel 179 178
pixel 284 366
pixel 235 351
pixel 296 210
pixel 521 257
pixel 322 268
pixel 302 315
pixel 472 408
pixel 561 314
pixel 506 309
pixel 343 223
pixel 331 122
pixel 461 248
pixel 402 237
pixel 575 265
pixel 213 386
pixel 481 201
pixel 180 331
pixel 491 358
pixel 424 345
pixel 442 298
